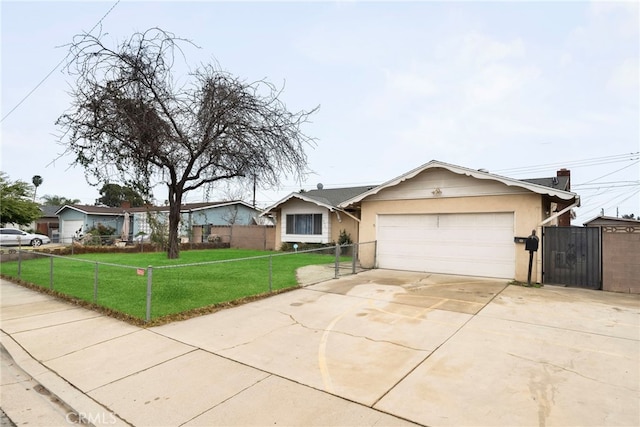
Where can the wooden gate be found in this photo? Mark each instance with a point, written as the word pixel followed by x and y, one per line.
pixel 572 256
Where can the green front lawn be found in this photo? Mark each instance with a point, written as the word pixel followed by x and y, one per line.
pixel 187 286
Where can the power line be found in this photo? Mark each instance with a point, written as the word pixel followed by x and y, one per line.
pixel 41 82
pixel 611 173
pixel 604 185
pixel 614 201
pixel 595 161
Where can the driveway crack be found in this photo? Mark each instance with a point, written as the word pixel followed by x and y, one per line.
pixel 261 336
pixel 297 322
pixel 563 368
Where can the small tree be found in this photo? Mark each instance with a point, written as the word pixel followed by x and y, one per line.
pixel 344 238
pixel 133 121
pixel 37 182
pixel 16 204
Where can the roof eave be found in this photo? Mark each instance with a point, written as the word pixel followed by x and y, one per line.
pixel 536 188
pixel 300 196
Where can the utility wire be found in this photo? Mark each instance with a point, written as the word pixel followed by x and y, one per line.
pixel 595 161
pixel 614 201
pixel 41 82
pixel 598 186
pixel 611 173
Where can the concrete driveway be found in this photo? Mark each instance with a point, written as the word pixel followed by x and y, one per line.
pixel 379 348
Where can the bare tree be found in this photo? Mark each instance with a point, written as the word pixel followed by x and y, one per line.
pixel 132 120
pixel 231 214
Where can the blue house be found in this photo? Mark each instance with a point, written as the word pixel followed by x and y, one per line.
pixel 77 220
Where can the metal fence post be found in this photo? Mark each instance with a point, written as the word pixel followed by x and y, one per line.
pixel 50 272
pixel 337 274
pixel 354 252
pixel 19 264
pixel 95 284
pixel 149 283
pixel 375 254
pixel 270 273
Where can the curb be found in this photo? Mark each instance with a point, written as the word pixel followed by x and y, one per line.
pixel 81 409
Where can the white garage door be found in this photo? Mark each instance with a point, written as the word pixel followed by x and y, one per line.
pixel 68 230
pixel 467 244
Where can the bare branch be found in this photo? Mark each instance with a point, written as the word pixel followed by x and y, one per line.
pixel 130 120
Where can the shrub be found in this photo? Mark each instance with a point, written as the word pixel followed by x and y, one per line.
pixel 344 238
pixel 99 234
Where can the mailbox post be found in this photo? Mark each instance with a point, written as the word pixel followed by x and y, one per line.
pixel 531 245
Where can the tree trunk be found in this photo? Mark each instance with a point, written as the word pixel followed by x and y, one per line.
pixel 175 201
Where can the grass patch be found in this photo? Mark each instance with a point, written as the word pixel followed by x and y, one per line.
pixel 179 286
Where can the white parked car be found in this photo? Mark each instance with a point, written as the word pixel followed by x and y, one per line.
pixel 15 237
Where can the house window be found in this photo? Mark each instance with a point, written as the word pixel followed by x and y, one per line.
pixel 304 224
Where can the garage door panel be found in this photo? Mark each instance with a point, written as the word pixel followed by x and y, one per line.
pixel 469 244
pixel 68 230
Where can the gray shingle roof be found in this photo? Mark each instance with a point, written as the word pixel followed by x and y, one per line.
pixel 559 183
pixel 335 196
pixel 49 210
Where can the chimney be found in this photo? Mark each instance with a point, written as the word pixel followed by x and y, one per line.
pixel 567 173
pixel 564 220
pixel 125 204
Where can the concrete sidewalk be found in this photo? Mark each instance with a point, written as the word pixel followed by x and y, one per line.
pixel 378 348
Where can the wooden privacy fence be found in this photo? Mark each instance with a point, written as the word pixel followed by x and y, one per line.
pixel 258 237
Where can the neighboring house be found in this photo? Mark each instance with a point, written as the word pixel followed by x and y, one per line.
pixel 200 217
pixel 612 221
pixel 48 224
pixel 79 219
pixel 443 218
pixel 76 220
pixel 314 216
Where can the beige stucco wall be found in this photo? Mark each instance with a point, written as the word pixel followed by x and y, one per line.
pixel 340 221
pixel 527 209
pixel 278 239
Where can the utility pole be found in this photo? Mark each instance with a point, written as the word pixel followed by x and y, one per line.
pixel 254 190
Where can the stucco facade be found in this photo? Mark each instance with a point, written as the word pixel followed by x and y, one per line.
pixel 438 189
pixel 527 209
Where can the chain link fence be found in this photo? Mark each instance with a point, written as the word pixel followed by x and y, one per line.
pixel 172 287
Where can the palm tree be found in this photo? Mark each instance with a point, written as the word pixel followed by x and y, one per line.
pixel 37 182
pixel 58 200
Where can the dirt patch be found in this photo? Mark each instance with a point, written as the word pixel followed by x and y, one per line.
pixel 311 274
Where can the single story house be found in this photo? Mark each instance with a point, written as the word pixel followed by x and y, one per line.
pixel 314 216
pixel 48 223
pixel 443 218
pixel 612 221
pixel 77 220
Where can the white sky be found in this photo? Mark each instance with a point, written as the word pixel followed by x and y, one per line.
pixel 520 89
